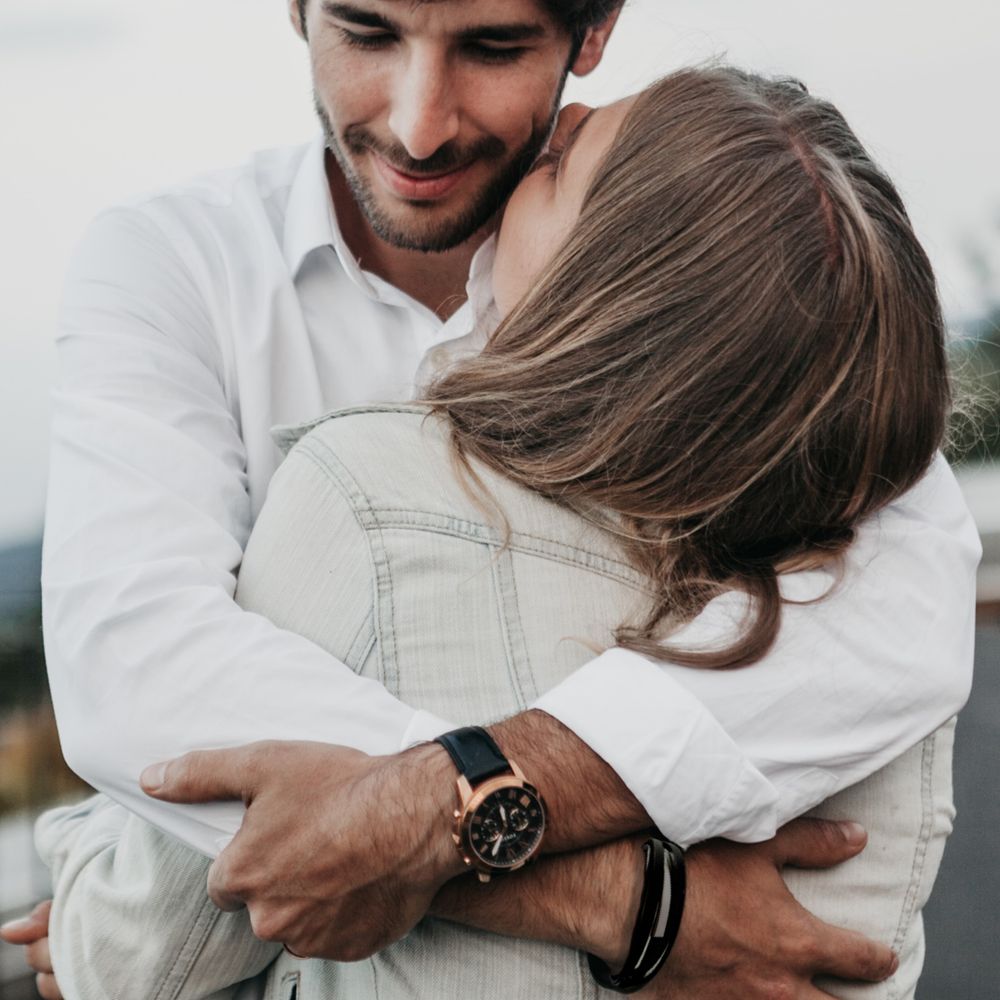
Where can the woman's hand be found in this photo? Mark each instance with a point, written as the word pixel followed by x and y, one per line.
pixel 32 931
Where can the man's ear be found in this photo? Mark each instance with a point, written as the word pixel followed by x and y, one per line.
pixel 294 15
pixel 594 43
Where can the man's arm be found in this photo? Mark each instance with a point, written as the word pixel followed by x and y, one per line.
pixel 853 681
pixel 589 900
pixel 384 858
pixel 149 512
pixel 147 518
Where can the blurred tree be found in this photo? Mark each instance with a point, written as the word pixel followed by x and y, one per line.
pixel 975 428
pixel 32 771
pixel 22 662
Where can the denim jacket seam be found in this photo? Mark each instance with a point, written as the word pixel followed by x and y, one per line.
pixel 509 622
pixel 909 906
pixel 320 453
pixel 538 545
pixel 361 644
pixel 187 955
pixel 339 477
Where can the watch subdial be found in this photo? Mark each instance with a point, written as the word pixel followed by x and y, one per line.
pixel 517 819
pixel 490 830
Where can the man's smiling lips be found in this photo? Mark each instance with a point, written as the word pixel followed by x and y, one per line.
pixel 419 187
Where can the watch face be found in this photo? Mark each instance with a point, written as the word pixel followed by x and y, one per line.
pixel 507 827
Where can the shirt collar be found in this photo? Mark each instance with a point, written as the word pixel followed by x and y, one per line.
pixel 309 219
pixel 311 224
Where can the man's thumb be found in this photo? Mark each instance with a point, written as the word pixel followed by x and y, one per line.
pixel 818 843
pixel 200 776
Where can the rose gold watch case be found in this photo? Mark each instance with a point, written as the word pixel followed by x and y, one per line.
pixel 471 800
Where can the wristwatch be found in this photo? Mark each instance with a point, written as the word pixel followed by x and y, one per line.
pixel 500 820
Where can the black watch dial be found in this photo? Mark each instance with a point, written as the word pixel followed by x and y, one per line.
pixel 507 827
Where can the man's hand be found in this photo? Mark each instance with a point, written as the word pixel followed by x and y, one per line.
pixel 339 854
pixel 32 931
pixel 744 937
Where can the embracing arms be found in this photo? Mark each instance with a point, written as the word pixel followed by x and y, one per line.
pixel 151 504
pixel 142 629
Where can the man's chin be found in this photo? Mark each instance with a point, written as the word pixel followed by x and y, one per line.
pixel 414 227
pixel 440 241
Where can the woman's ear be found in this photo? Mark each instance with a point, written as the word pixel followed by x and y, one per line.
pixel 594 43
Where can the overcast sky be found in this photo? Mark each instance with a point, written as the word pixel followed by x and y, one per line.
pixel 104 98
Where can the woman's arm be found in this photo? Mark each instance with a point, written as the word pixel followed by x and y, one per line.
pixel 131 916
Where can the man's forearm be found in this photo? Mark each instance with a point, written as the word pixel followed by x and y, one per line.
pixel 585 900
pixel 586 802
pixel 585 894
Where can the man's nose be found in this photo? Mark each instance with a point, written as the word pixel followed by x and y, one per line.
pixel 424 114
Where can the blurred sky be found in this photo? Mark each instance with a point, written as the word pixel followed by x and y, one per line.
pixel 105 98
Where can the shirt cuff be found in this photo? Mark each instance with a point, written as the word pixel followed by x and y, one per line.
pixel 424 727
pixel 668 749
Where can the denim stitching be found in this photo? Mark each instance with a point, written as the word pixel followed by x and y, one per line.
pixel 317 450
pixel 190 950
pixel 920 852
pixel 361 644
pixel 507 616
pixel 523 660
pixel 546 548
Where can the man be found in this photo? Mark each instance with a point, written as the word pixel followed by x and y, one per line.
pixel 197 320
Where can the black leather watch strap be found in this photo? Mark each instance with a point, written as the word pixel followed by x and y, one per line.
pixel 475 753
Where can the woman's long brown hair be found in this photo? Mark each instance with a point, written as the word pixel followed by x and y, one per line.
pixel 739 352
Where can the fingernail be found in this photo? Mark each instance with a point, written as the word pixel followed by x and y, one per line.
pixel 854 833
pixel 894 965
pixel 153 777
pixel 14 925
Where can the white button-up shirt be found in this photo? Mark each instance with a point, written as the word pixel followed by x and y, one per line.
pixel 197 319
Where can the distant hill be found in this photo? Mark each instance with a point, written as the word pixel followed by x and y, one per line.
pixel 20 570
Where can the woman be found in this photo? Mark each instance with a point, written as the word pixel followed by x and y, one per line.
pixel 625 460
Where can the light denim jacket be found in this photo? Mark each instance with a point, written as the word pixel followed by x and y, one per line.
pixel 370 546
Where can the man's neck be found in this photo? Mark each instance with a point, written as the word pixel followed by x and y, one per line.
pixel 437 280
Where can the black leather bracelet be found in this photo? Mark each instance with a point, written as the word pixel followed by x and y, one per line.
pixel 656 925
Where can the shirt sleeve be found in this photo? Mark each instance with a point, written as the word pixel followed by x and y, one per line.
pixel 147 518
pixel 881 660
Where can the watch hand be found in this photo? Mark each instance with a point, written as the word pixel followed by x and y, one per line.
pixel 503 815
pixel 496 845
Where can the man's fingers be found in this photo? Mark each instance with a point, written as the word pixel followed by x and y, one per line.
pixel 38 956
pixel 221 885
pixel 849 955
pixel 30 928
pixel 817 843
pixel 206 775
pixel 48 988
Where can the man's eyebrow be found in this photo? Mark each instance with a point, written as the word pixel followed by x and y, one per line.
pixel 499 33
pixel 571 139
pixel 502 33
pixel 355 15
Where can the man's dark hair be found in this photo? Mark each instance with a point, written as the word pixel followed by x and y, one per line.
pixel 576 16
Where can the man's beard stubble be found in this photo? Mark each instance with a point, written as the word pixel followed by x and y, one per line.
pixel 448 233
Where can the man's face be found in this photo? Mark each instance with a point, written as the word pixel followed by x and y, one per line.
pixel 434 110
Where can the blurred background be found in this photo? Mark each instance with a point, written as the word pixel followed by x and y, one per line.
pixel 106 98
